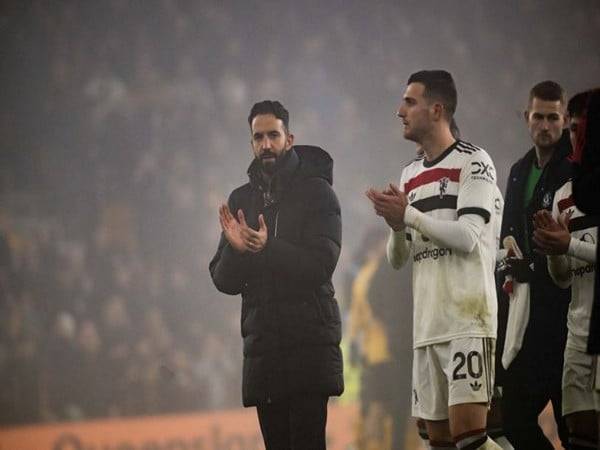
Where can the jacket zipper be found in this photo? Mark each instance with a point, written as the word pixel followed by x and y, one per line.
pixel 269 401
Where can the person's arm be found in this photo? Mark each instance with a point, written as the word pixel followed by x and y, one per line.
pixel 585 251
pixel 311 261
pixel 398 248
pixel 551 235
pixel 460 235
pixel 559 268
pixel 229 268
pixel 559 265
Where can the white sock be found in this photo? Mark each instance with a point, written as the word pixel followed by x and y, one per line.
pixel 503 442
pixel 489 445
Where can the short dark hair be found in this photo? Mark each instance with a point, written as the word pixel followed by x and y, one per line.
pixel 549 91
pixel 578 104
pixel 270 107
pixel 439 86
pixel 454 129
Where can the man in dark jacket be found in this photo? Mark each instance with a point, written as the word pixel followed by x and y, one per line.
pixel 280 242
pixel 586 191
pixel 534 376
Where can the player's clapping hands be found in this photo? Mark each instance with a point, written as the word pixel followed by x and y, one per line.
pixel 239 235
pixel 390 204
pixel 550 236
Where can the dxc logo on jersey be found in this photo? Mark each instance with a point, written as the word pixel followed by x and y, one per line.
pixel 443 186
pixel 483 170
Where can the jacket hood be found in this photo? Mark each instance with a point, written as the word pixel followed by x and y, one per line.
pixel 314 162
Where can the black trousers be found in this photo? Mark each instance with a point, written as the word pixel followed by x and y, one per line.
pixel 521 406
pixel 297 423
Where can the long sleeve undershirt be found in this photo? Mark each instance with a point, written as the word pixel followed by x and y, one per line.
pixel 397 249
pixel 559 266
pixel 585 251
pixel 460 235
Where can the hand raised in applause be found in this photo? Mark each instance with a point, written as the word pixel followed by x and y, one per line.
pixel 550 236
pixel 254 240
pixel 239 235
pixel 390 204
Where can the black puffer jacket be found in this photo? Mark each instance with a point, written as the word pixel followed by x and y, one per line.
pixel 540 357
pixel 290 320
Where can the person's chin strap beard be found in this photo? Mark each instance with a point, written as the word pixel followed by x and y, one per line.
pixel 268 170
pixel 272 169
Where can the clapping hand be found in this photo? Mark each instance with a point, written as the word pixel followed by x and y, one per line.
pixel 550 236
pixel 390 204
pixel 239 235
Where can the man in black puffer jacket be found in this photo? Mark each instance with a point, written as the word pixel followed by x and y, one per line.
pixel 280 242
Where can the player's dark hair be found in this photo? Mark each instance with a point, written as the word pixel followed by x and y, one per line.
pixel 439 86
pixel 270 107
pixel 578 104
pixel 454 129
pixel 588 133
pixel 592 127
pixel 549 91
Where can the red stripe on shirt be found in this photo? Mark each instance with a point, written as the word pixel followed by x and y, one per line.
pixel 430 176
pixel 565 203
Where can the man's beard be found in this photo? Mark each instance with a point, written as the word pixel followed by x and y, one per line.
pixel 546 141
pixel 268 162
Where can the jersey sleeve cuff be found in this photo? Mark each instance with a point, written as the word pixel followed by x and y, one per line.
pixel 475 210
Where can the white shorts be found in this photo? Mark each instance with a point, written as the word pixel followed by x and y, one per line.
pixel 578 382
pixel 452 373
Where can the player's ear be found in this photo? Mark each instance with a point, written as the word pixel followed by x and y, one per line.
pixel 526 116
pixel 438 111
pixel 289 141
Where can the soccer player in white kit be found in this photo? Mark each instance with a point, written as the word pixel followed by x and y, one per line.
pixel 443 212
pixel 569 238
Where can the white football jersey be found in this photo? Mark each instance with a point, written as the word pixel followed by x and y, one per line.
pixel 583 228
pixel 454 292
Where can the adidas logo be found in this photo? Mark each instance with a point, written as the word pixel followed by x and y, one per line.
pixel 475 385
